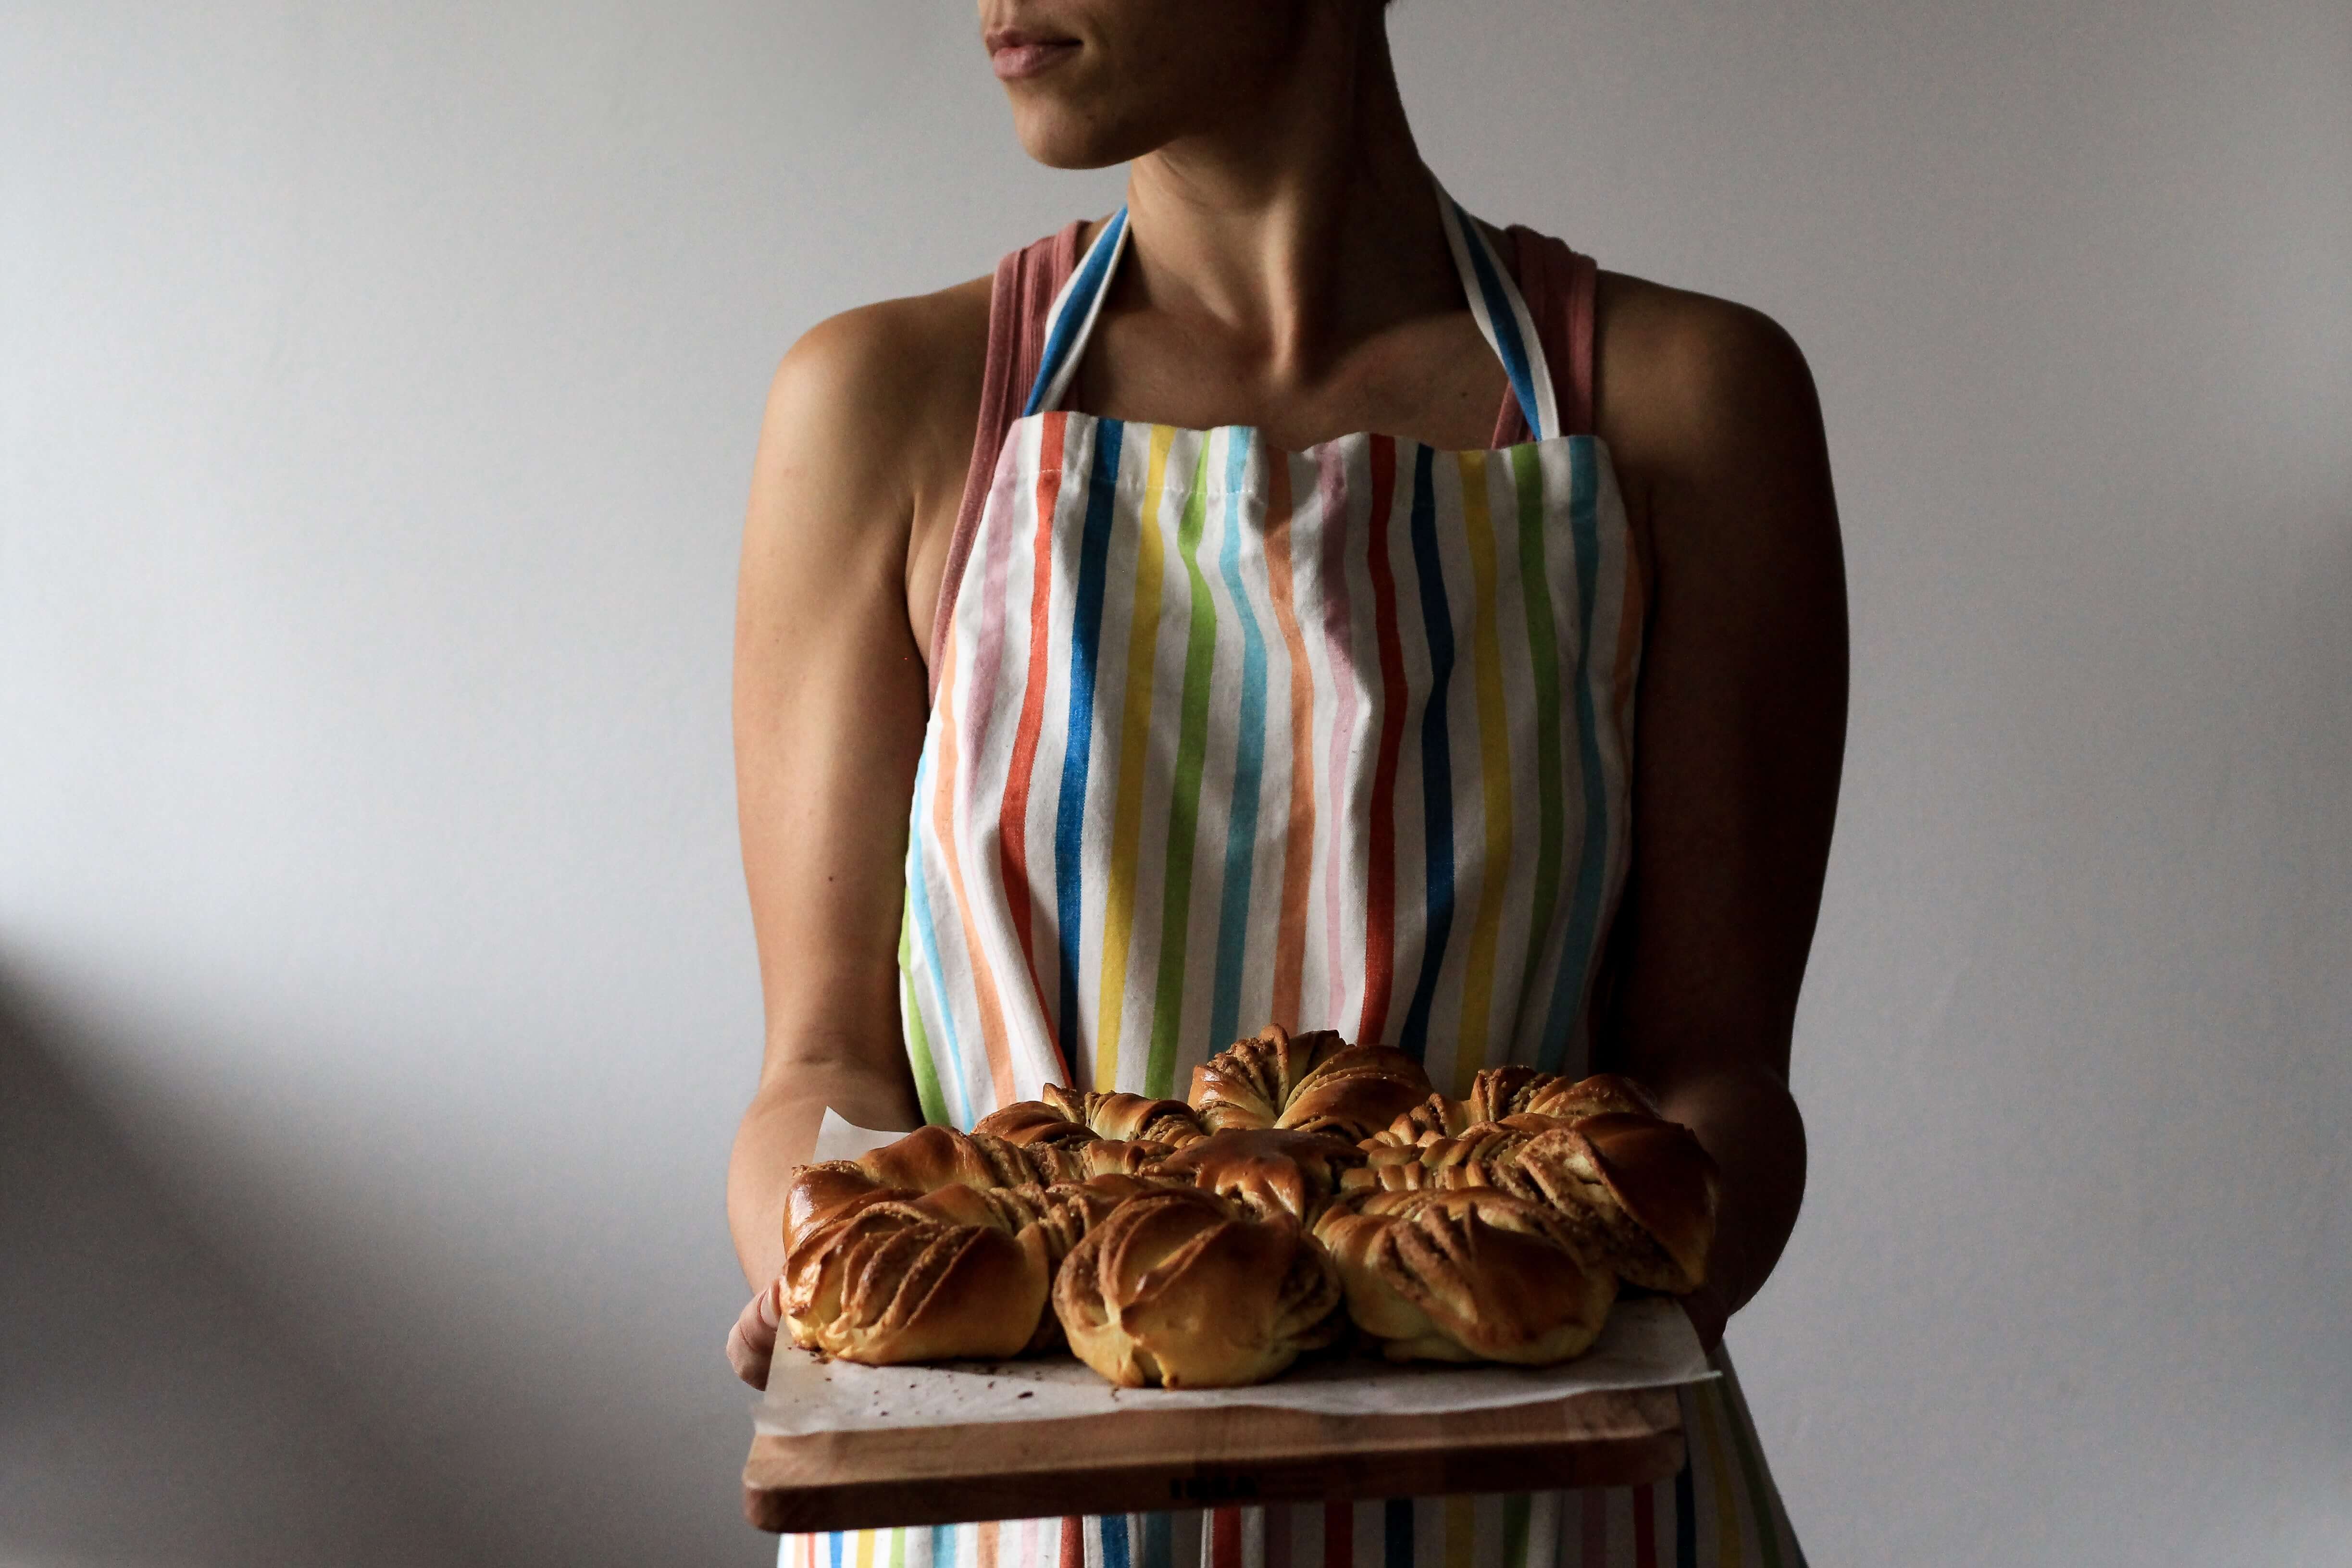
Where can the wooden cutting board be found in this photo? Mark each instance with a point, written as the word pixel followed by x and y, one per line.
pixel 1145 1460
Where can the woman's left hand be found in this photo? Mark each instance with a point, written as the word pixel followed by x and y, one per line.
pixel 752 1342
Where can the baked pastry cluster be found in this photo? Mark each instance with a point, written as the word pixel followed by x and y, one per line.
pixel 1307 1192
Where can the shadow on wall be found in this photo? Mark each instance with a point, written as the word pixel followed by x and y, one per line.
pixel 149 1412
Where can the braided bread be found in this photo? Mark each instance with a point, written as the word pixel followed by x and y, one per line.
pixel 1180 1288
pixel 924 1160
pixel 1102 1157
pixel 1467 1275
pixel 1659 1178
pixel 887 1282
pixel 934 1157
pixel 1249 1083
pixel 958 1271
pixel 1186 1245
pixel 1130 1115
pixel 818 1192
pixel 1033 1123
pixel 1497 1094
pixel 1637 1192
pixel 931 1159
pixel 1267 1171
pixel 1062 1213
pixel 1314 1082
pixel 1603 1094
pixel 1458 1161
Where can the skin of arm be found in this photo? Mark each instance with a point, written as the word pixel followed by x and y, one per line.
pixel 842 532
pixel 1711 415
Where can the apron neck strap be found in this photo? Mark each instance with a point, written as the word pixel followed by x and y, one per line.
pixel 1495 301
pixel 1071 321
pixel 1503 317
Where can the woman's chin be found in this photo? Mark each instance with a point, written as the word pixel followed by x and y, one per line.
pixel 1062 138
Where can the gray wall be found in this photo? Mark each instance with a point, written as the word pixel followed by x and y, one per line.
pixel 380 383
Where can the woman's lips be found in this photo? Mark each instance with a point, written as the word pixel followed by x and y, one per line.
pixel 1016 56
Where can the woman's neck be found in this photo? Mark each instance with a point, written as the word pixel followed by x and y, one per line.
pixel 1305 227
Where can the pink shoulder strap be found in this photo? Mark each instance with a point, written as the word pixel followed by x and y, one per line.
pixel 1026 282
pixel 1558 286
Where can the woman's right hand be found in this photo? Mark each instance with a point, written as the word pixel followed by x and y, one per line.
pixel 752 1342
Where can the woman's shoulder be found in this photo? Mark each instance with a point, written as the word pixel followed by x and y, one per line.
pixel 927 353
pixel 893 366
pixel 870 415
pixel 1715 431
pixel 1680 376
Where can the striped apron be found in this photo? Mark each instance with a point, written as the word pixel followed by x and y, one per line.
pixel 1337 739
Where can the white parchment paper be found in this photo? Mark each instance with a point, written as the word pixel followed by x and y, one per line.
pixel 1648 1344
pixel 838 1138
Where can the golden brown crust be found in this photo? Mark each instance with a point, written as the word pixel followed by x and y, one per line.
pixel 896 1276
pixel 1128 1116
pixel 1493 1228
pixel 1179 1287
pixel 1062 1213
pixel 1248 1083
pixel 1313 1082
pixel 1436 1116
pixel 1469 1275
pixel 1495 1092
pixel 816 1192
pixel 1464 1160
pixel 933 1157
pixel 889 1282
pixel 1102 1157
pixel 1031 1122
pixel 1637 1191
pixel 1664 1179
pixel 1267 1170
pixel 1561 1169
pixel 1601 1094
pixel 1355 1091
pixel 1509 1094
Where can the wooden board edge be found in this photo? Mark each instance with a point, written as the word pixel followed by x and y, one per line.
pixel 1613 1438
pixel 1238 1435
pixel 1143 1488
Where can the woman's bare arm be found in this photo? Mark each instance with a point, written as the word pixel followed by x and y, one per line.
pixel 1741 727
pixel 830 702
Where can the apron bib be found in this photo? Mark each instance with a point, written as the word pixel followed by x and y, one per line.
pixel 1225 735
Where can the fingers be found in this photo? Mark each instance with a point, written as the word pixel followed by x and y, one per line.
pixel 752 1342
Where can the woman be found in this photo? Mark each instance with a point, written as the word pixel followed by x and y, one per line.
pixel 1215 710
